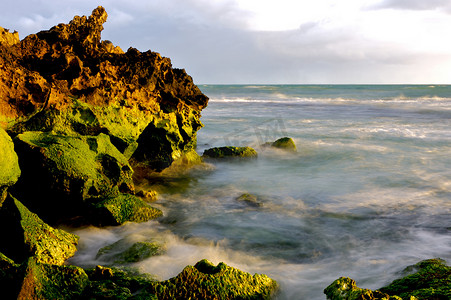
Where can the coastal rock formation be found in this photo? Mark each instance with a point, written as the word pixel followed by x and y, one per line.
pixel 9 164
pixel 230 151
pixel 67 81
pixel 428 279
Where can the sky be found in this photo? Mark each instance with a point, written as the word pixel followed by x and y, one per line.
pixel 264 42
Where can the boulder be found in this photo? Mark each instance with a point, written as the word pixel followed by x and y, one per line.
pixel 207 281
pixel 345 288
pixel 68 81
pixel 25 235
pixel 285 143
pixel 46 281
pixel 64 174
pixel 230 151
pixel 428 279
pixel 9 164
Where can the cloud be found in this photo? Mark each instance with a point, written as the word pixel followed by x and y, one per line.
pixel 444 5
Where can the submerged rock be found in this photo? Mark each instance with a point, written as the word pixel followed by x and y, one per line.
pixel 284 143
pixel 122 252
pixel 25 235
pixel 230 151
pixel 9 165
pixel 250 200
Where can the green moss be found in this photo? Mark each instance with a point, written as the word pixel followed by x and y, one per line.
pixel 432 280
pixel 285 143
pixel 44 281
pixel 206 281
pixel 28 236
pixel 345 289
pixel 123 208
pixel 72 170
pixel 121 252
pixel 9 164
pixel 229 151
pixel 250 200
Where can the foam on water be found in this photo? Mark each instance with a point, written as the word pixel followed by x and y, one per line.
pixel 367 194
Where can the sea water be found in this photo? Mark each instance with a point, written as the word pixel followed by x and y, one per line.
pixel 367 193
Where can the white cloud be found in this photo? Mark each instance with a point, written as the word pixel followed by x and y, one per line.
pixel 252 41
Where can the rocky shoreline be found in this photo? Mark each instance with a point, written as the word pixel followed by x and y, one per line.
pixel 81 121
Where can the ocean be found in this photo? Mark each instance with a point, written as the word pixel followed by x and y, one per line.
pixel 367 193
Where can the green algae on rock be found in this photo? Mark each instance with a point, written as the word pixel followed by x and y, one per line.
pixel 431 280
pixel 206 281
pixel 46 281
pixel 122 208
pixel 74 171
pixel 250 200
pixel 122 252
pixel 346 289
pixel 9 165
pixel 285 143
pixel 26 235
pixel 230 151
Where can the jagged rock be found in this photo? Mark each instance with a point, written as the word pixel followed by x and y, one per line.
pixel 66 80
pixel 229 151
pixel 25 235
pixel 66 173
pixel 9 165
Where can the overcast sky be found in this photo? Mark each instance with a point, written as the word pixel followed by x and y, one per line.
pixel 279 41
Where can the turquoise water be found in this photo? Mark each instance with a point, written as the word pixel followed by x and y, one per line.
pixel 367 194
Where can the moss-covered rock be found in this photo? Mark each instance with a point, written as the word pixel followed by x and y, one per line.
pixel 60 173
pixel 122 252
pixel 431 280
pixel 346 289
pixel 230 151
pixel 285 143
pixel 206 281
pixel 250 200
pixel 120 209
pixel 25 235
pixel 9 165
pixel 44 281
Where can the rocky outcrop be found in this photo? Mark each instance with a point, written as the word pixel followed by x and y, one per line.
pixel 67 81
pixel 230 151
pixel 9 164
pixel 428 279
pixel 285 143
